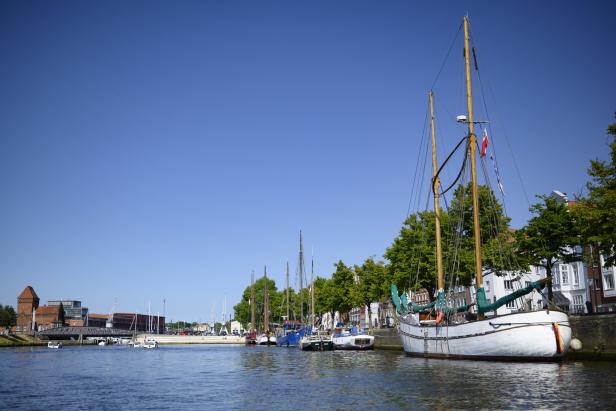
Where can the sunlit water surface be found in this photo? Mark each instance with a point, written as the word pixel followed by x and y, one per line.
pixel 269 378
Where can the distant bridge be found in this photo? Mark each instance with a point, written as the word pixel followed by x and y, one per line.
pixel 83 332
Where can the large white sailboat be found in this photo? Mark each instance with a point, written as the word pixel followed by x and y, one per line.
pixel 532 335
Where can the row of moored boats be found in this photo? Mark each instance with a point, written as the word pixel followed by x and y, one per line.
pixel 292 334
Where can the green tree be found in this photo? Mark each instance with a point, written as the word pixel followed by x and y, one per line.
pixel 8 316
pixel 372 285
pixel 548 237
pixel 497 250
pixel 242 309
pixel 597 213
pixel 412 255
pixel 342 291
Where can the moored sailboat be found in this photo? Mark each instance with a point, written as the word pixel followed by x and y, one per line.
pixel 267 337
pixel 315 340
pixel 532 335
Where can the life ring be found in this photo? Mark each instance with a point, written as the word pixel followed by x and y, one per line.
pixel 439 317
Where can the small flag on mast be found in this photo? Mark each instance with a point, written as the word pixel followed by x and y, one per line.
pixel 484 144
pixel 498 180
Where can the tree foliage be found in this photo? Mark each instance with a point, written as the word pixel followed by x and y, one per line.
pixel 412 255
pixel 242 309
pixel 597 213
pixel 548 237
pixel 8 316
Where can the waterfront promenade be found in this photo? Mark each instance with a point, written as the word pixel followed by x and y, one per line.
pixel 193 339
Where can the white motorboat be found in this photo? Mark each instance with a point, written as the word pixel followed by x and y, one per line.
pixel 54 344
pixel 346 339
pixel 316 342
pixel 266 339
pixel 150 343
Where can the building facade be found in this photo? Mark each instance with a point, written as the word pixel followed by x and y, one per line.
pixel 74 313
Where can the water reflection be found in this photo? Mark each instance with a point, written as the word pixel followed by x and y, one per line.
pixel 266 378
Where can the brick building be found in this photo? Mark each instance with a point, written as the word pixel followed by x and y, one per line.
pixel 31 317
pixel 27 302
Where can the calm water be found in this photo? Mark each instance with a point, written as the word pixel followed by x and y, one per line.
pixel 270 378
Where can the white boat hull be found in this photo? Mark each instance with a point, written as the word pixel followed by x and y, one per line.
pixel 316 342
pixel 354 342
pixel 266 340
pixel 521 336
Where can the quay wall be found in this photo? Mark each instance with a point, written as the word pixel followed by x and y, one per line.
pixel 387 339
pixel 193 339
pixel 597 334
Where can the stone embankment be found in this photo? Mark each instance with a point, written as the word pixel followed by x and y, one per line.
pixel 193 339
pixel 26 340
pixel 597 334
pixel 387 339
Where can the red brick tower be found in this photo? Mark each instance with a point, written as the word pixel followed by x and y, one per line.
pixel 27 301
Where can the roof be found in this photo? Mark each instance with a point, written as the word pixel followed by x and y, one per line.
pixel 103 316
pixel 52 310
pixel 559 298
pixel 28 292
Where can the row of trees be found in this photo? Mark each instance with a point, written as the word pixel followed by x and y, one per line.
pixel 556 232
pixel 348 287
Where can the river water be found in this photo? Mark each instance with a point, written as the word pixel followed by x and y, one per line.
pixel 213 377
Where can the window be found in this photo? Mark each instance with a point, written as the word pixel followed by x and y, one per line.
pixel 511 304
pixel 564 271
pixel 508 284
pixel 527 284
pixel 556 277
pixel 576 274
pixel 487 288
pixel 578 304
pixel 608 280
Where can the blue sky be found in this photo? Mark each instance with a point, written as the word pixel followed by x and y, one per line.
pixel 163 150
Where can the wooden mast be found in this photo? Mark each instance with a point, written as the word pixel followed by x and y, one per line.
pixel 265 304
pixel 301 278
pixel 312 292
pixel 288 291
pixel 437 210
pixel 252 302
pixel 472 143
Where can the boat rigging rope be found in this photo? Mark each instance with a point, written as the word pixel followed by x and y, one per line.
pixel 413 184
pixel 438 172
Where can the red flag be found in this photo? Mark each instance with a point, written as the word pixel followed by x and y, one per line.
pixel 484 143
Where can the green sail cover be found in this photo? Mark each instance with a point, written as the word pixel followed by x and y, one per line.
pixel 395 299
pixel 404 302
pixel 402 305
pixel 483 305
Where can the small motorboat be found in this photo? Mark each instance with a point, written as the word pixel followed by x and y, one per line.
pixel 352 339
pixel 266 339
pixel 316 342
pixel 150 343
pixel 54 344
